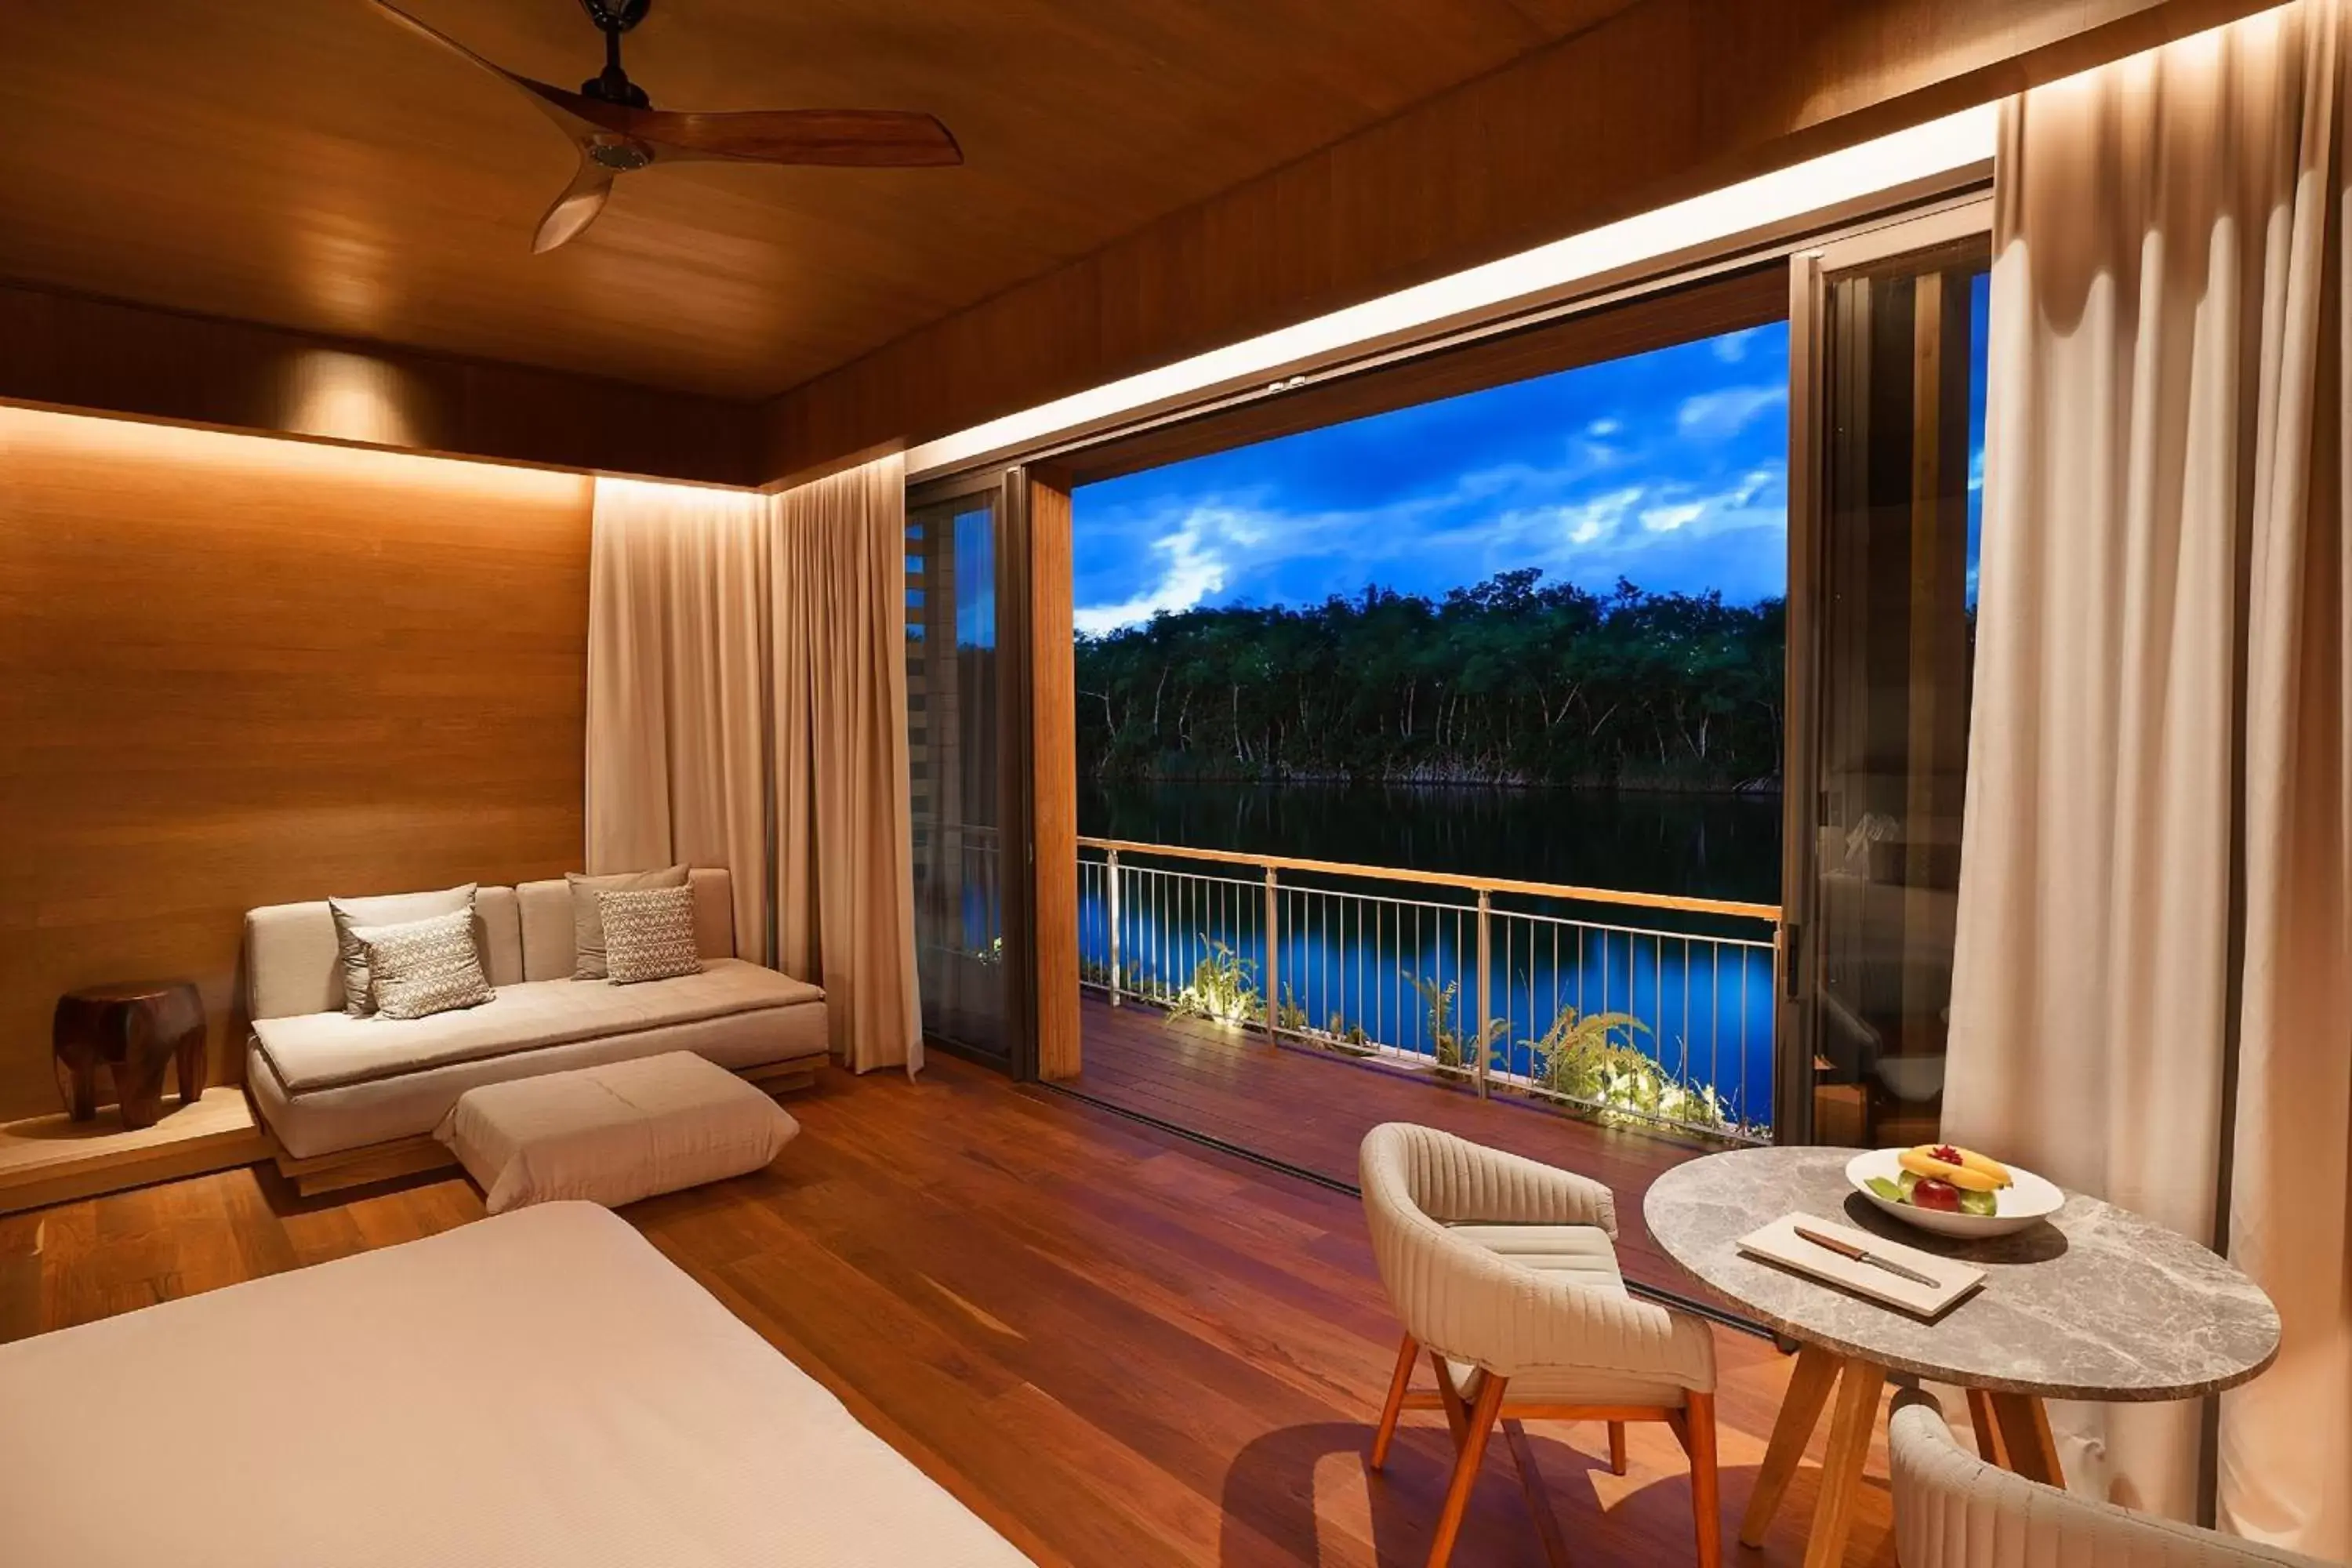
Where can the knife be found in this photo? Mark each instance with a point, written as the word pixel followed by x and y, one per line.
pixel 1863 1255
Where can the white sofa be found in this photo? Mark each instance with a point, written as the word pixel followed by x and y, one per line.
pixel 333 1088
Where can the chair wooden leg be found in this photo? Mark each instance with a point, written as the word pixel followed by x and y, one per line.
pixel 1394 1407
pixel 1449 1398
pixel 1465 1468
pixel 1531 1486
pixel 1801 1411
pixel 1616 1448
pixel 1706 1504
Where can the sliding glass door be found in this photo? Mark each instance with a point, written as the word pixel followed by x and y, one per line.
pixel 967 739
pixel 1888 390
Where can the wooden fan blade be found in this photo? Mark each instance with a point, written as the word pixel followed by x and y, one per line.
pixel 843 138
pixel 547 98
pixel 575 209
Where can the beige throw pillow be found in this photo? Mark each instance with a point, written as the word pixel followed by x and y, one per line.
pixel 588 924
pixel 424 966
pixel 390 910
pixel 648 934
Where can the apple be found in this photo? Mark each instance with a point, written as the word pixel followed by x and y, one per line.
pixel 1931 1193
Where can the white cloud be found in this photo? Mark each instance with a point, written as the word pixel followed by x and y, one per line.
pixel 1721 415
pixel 1600 430
pixel 1194 571
pixel 1732 347
pixel 1667 518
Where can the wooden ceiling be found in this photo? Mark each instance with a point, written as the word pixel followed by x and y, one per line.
pixel 306 164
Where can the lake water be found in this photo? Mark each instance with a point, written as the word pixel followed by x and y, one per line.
pixel 1351 951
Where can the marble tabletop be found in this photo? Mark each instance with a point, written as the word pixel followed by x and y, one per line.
pixel 2096 1303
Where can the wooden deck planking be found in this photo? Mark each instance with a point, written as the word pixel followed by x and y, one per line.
pixel 1311 1108
pixel 1119 1347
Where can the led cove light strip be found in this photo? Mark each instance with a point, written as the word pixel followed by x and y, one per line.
pixel 1844 176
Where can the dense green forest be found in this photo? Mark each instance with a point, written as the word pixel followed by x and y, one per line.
pixel 1514 680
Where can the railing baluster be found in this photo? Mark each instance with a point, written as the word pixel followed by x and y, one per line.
pixel 1111 879
pixel 1485 1000
pixel 1273 943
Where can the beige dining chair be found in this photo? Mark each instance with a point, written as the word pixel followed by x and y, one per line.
pixel 1504 1272
pixel 1952 1509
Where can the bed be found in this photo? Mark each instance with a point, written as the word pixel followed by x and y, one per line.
pixel 539 1388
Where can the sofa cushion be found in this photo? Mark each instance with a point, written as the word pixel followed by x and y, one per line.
pixel 323 1050
pixel 649 933
pixel 423 967
pixel 293 963
pixel 613 1133
pixel 588 915
pixel 547 941
pixel 390 910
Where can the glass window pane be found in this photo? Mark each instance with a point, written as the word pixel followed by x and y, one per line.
pixel 1901 442
pixel 954 692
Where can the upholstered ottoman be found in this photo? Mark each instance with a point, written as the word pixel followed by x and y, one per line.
pixel 614 1134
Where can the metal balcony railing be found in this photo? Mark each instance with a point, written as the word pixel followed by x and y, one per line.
pixel 1531 988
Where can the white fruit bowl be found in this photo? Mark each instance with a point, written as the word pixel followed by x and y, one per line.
pixel 2028 1198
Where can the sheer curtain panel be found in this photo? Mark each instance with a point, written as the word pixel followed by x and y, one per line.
pixel 747 707
pixel 2153 995
pixel 678 686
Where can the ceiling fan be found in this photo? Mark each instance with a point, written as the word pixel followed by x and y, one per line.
pixel 617 131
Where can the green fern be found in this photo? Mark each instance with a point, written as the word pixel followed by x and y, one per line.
pixel 1224 989
pixel 1456 1053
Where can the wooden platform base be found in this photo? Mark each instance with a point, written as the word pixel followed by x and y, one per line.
pixel 399 1157
pixel 52 1159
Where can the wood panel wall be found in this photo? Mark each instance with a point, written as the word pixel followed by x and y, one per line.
pixel 74 350
pixel 237 670
pixel 1661 100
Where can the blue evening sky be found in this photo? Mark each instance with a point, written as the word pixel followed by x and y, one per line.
pixel 1668 469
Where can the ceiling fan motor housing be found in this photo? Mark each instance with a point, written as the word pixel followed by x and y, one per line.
pixel 611 85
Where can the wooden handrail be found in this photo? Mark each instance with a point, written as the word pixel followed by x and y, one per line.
pixel 1771 912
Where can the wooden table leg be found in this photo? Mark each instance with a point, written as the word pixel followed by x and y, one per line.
pixel 1800 1412
pixel 1988 1429
pixel 2025 1440
pixel 1853 1416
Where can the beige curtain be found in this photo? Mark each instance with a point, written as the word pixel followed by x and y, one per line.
pixel 2156 882
pixel 679 688
pixel 747 707
pixel 844 859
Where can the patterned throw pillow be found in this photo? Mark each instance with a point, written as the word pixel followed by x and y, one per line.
pixel 648 934
pixel 425 966
pixel 389 910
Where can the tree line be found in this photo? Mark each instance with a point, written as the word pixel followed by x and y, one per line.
pixel 1514 680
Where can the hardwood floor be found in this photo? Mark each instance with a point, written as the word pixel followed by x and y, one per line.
pixel 1119 1347
pixel 1311 1110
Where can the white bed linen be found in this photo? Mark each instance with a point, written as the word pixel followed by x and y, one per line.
pixel 541 1388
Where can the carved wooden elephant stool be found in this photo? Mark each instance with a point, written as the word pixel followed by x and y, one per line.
pixel 134 1031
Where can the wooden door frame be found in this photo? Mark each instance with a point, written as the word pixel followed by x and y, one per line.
pixel 1053 784
pixel 1036 759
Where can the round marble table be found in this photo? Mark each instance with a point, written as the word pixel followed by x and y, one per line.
pixel 2096 1303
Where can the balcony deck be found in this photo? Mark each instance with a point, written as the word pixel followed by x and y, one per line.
pixel 1310 1108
